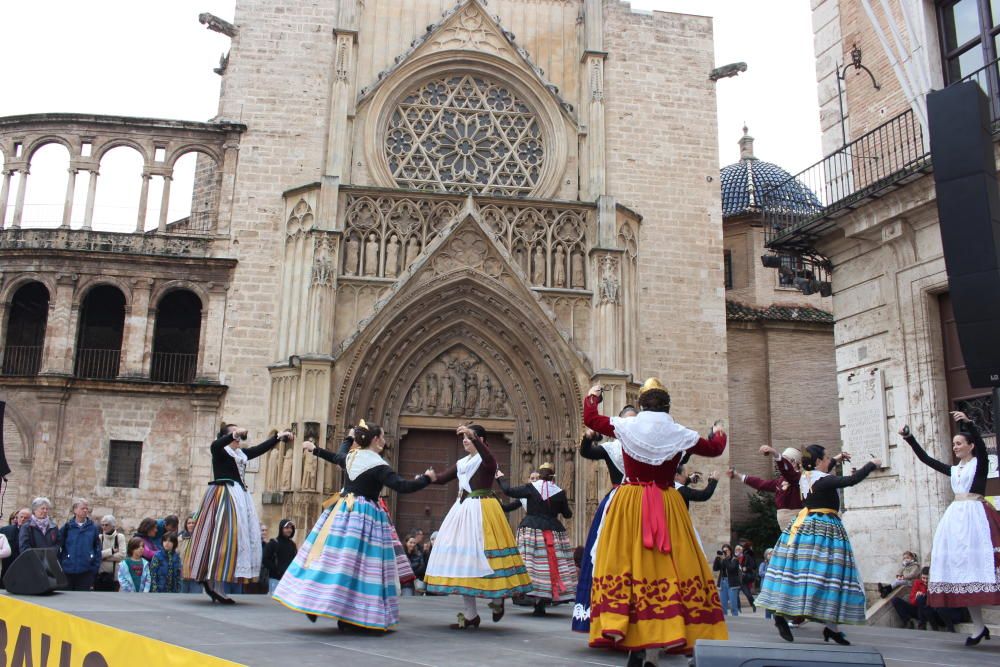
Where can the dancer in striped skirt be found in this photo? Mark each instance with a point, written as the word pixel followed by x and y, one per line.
pixel 609 451
pixel 542 539
pixel 812 573
pixel 346 568
pixel 225 543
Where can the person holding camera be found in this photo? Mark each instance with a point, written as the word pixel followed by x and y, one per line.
pixel 226 544
pixel 729 579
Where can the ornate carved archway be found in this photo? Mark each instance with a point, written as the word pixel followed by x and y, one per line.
pixel 469 300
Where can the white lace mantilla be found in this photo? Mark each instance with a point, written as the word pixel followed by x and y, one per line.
pixel 614 450
pixel 361 461
pixel 466 469
pixel 546 489
pixel 653 437
pixel 241 461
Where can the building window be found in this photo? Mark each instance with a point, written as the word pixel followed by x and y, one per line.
pixel 124 460
pixel 727 259
pixel 29 312
pixel 465 133
pixel 970 31
pixel 791 266
pixel 175 338
pixel 99 341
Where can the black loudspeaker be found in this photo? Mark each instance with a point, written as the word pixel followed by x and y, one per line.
pixel 968 202
pixel 711 653
pixel 35 572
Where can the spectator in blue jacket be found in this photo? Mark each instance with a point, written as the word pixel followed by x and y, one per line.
pixel 165 568
pixel 80 553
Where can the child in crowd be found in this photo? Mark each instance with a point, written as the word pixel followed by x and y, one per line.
pixel 165 568
pixel 133 572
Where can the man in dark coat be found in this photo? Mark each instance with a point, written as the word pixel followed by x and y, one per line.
pixel 10 532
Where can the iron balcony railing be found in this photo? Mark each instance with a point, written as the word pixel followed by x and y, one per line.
pixel 988 78
pixel 173 367
pixel 800 208
pixel 97 364
pixel 22 360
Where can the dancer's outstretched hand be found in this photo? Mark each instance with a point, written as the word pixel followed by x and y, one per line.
pixel 730 473
pixel 718 427
pixel 499 474
pixel 714 475
pixel 286 436
pixel 596 390
pixel 960 416
pixel 877 462
pixel 308 445
pixel 767 450
pixel 430 473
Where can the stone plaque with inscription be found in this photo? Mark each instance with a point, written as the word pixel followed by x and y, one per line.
pixel 863 416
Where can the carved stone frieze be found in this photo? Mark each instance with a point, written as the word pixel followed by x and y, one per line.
pixel 457 383
pixel 610 282
pixel 91 241
pixel 324 259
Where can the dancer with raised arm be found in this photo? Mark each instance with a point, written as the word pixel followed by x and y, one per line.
pixel 965 559
pixel 609 451
pixel 812 573
pixel 785 487
pixel 475 554
pixel 346 568
pixel 542 539
pixel 653 588
pixel 225 543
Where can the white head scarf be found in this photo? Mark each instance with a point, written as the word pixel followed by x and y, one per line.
pixel 653 437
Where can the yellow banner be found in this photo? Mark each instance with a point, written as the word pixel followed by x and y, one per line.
pixel 31 635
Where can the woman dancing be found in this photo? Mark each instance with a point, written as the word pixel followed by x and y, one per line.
pixel 475 554
pixel 542 539
pixel 346 568
pixel 225 544
pixel 812 573
pixel 653 588
pixel 965 559
pixel 610 452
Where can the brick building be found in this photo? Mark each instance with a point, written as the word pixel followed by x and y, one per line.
pixel 875 232
pixel 427 213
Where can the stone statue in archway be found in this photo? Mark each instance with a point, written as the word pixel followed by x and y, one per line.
pixel 416 403
pixel 471 393
pixel 391 257
pixel 560 268
pixel 448 394
pixel 371 256
pixel 579 282
pixel 433 389
pixel 500 404
pixel 485 395
pixel 309 473
pixel 412 250
pixel 351 256
pixel 538 274
pixel 286 470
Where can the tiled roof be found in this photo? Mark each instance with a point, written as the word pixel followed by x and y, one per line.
pixel 743 313
pixel 748 182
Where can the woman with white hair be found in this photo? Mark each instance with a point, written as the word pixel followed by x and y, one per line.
pixel 113 551
pixel 39 531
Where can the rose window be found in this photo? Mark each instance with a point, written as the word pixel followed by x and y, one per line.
pixel 465 133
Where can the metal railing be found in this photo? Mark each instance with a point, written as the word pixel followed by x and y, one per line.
pixel 97 364
pixel 197 223
pixel 862 170
pixel 988 78
pixel 175 367
pixel 22 360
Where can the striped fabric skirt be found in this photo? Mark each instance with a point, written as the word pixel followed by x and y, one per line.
pixel 475 553
pixel 403 567
pixel 225 543
pixel 346 568
pixel 581 607
pixel 816 577
pixel 548 558
pixel 644 598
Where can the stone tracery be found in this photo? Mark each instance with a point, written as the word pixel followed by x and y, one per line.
pixel 465 133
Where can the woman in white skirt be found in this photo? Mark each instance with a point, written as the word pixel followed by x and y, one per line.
pixel 225 544
pixel 475 554
pixel 965 560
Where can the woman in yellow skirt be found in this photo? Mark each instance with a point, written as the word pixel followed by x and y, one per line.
pixel 652 587
pixel 475 554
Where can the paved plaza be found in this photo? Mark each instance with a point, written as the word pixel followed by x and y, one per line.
pixel 259 632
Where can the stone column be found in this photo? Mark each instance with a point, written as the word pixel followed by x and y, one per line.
pixel 22 184
pixel 68 203
pixel 134 343
pixel 607 332
pixel 595 184
pixel 161 226
pixel 88 215
pixel 60 340
pixel 227 185
pixel 140 221
pixel 210 354
pixel 4 194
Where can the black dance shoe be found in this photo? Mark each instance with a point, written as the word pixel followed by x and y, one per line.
pixel 311 617
pixel 465 624
pixel 636 659
pixel 210 592
pixel 783 629
pixel 497 607
pixel 884 590
pixel 838 637
pixel 972 641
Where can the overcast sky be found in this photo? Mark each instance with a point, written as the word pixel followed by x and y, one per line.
pixel 154 59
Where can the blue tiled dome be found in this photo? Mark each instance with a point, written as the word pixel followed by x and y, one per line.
pixel 747 183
